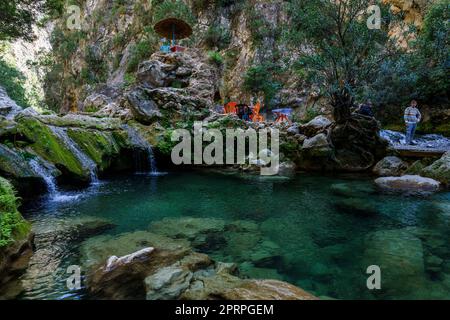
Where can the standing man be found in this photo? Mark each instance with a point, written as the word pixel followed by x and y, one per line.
pixel 412 118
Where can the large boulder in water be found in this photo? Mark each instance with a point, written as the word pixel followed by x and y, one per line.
pixel 399 254
pixel 408 184
pixel 439 170
pixel 390 166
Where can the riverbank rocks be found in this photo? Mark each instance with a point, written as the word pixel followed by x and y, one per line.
pixel 13 165
pixel 219 285
pixel 142 264
pixel 408 184
pixel 439 170
pixel 390 166
pixel 315 126
pixel 50 147
pixel 16 238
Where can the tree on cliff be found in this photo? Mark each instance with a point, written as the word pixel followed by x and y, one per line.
pixel 18 16
pixel 339 53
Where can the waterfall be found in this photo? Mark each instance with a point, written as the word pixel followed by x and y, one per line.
pixel 139 142
pixel 87 162
pixel 46 174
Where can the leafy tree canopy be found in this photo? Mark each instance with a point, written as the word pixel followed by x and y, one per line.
pixel 338 51
pixel 18 16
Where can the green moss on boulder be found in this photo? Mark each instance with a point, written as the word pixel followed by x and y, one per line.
pixel 12 225
pixel 439 170
pixel 100 146
pixel 47 145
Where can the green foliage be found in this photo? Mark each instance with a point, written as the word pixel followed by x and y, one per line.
pixel 217 36
pixel 260 28
pixel 261 79
pixel 165 145
pixel 12 225
pixel 96 69
pixel 420 73
pixel 311 113
pixel 343 53
pixel 13 81
pixel 129 80
pixel 18 16
pixel 65 44
pixel 143 49
pixel 215 58
pixel 119 7
pixel 173 9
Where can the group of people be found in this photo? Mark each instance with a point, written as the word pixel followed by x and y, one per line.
pixel 244 111
pixel 412 117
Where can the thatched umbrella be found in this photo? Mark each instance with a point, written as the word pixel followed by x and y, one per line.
pixel 173 28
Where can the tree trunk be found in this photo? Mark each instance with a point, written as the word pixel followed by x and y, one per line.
pixel 342 102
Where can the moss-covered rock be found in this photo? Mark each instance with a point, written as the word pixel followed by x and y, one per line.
pixel 439 170
pixel 15 166
pixel 12 226
pixel 47 145
pixel 100 146
pixel 15 236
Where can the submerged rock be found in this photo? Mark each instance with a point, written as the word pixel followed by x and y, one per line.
pixel 97 250
pixel 357 206
pixel 53 238
pixel 168 269
pixel 408 184
pixel 399 254
pixel 351 189
pixel 126 281
pixel 390 166
pixel 187 227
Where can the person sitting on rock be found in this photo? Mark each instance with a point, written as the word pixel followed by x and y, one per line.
pixel 246 113
pixel 366 109
pixel 165 47
pixel 412 117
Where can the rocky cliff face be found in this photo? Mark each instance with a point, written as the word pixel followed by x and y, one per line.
pixel 102 56
pixel 412 13
pixel 115 36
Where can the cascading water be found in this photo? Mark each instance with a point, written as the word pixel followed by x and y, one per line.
pixel 45 173
pixel 87 162
pixel 138 141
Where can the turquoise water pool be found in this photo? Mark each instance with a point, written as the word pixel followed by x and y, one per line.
pixel 317 232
